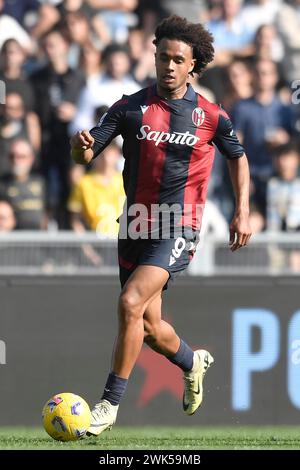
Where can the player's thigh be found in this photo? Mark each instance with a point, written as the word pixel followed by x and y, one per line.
pixel 144 285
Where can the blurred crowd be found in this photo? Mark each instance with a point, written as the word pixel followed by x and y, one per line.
pixel 64 62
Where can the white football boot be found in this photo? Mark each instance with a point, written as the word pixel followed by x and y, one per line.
pixel 103 416
pixel 193 387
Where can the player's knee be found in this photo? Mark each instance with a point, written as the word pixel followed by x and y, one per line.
pixel 130 306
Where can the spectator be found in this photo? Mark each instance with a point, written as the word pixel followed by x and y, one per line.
pixel 90 64
pixel 206 92
pixel 262 122
pixel 16 123
pixel 288 25
pixel 54 12
pixel 239 84
pixel 231 35
pixel 267 44
pixel 213 222
pixel 12 60
pixel 255 30
pixel 215 79
pixel 136 40
pixel 81 31
pixel 232 41
pixel 283 194
pixel 260 12
pixel 7 217
pixel 150 14
pixel 65 7
pixel 57 89
pixel 18 10
pixel 256 219
pixel 283 206
pixel 48 17
pixel 11 29
pixel 117 15
pixel 142 57
pixel 192 10
pixel 25 191
pixel 115 82
pixel 97 201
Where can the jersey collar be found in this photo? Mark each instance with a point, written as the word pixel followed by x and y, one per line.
pixel 190 94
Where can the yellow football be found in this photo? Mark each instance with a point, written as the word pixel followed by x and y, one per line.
pixel 66 417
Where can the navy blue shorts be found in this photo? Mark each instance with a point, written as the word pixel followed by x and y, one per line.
pixel 172 254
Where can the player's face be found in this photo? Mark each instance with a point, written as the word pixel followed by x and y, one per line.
pixel 174 61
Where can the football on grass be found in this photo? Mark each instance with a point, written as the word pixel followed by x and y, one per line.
pixel 66 417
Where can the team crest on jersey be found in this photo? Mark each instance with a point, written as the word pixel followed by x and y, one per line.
pixel 198 116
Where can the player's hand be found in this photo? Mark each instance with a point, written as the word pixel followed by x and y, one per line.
pixel 81 147
pixel 240 231
pixel 82 140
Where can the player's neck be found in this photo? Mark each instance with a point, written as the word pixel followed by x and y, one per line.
pixel 177 94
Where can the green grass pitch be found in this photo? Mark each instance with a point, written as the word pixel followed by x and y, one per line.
pixel 130 438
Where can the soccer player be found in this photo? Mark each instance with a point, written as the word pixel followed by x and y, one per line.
pixel 169 132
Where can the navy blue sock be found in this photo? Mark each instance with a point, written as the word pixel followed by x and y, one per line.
pixel 184 358
pixel 114 389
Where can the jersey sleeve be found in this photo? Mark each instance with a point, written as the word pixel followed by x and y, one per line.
pixel 226 139
pixel 109 126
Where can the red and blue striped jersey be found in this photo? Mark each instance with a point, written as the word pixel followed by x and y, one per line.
pixel 168 147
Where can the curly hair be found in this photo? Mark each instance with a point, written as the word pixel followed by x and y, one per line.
pixel 195 35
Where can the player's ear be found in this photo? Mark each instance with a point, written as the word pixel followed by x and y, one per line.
pixel 193 63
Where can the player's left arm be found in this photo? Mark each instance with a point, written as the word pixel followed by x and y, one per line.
pixel 227 142
pixel 240 231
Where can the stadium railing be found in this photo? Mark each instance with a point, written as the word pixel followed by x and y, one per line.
pixel 66 253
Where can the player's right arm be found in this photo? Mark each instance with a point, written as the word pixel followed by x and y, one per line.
pixel 81 147
pixel 86 145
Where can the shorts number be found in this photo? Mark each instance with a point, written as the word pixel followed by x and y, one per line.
pixel 179 247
